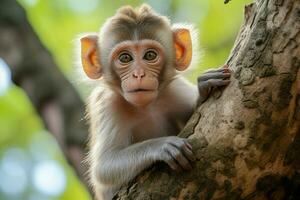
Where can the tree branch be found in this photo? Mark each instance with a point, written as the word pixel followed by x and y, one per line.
pixel 34 70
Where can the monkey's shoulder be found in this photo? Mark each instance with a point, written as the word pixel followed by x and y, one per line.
pixel 100 94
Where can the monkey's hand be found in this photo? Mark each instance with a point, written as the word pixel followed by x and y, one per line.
pixel 176 152
pixel 210 79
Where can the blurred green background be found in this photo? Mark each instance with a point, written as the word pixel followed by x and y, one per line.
pixel 31 164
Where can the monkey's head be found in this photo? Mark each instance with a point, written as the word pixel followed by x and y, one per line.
pixel 136 52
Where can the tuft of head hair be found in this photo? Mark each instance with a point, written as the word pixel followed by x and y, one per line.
pixel 135 12
pixel 128 19
pixel 138 14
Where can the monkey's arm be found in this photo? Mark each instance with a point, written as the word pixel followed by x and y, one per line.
pixel 118 166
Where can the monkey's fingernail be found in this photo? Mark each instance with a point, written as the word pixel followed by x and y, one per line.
pixel 225 66
pixel 189 146
pixel 226 70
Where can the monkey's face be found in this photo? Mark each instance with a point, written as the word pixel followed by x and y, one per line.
pixel 135 52
pixel 138 65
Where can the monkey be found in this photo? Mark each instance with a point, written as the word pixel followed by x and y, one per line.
pixel 141 101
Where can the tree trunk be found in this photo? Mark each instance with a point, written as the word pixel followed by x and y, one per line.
pixel 246 139
pixel 34 70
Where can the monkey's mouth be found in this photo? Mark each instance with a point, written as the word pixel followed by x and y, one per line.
pixel 140 96
pixel 140 90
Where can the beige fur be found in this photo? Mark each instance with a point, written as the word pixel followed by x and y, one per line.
pixel 126 139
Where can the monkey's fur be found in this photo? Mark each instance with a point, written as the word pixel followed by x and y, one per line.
pixel 141 101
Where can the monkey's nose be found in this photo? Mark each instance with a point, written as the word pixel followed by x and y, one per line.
pixel 139 73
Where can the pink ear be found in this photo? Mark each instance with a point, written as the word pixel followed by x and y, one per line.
pixel 89 56
pixel 183 48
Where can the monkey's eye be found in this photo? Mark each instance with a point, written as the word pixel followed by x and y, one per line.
pixel 150 55
pixel 125 58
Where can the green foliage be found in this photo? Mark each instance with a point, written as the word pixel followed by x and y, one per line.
pixel 16 114
pixel 58 23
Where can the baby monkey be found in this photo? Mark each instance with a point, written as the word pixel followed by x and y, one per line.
pixel 141 101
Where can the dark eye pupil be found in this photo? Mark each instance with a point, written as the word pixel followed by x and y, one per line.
pixel 125 58
pixel 150 55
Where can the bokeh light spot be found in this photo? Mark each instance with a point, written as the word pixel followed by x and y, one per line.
pixel 14 180
pixel 5 77
pixel 83 6
pixel 30 2
pixel 49 178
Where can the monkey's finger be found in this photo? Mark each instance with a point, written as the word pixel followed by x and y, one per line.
pixel 225 82
pixel 215 75
pixel 225 66
pixel 220 69
pixel 213 70
pixel 183 161
pixel 189 145
pixel 188 153
pixel 180 158
pixel 215 83
pixel 177 142
pixel 173 164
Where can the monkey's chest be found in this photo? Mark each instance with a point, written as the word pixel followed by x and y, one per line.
pixel 153 127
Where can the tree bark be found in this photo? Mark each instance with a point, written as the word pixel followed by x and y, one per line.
pixel 34 70
pixel 246 139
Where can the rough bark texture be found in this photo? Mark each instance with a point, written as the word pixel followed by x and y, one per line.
pixel 34 70
pixel 247 140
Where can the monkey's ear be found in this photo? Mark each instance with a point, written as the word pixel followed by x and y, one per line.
pixel 90 56
pixel 183 48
